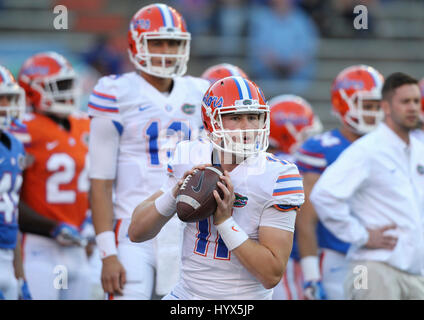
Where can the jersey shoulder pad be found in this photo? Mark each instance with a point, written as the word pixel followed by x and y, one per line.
pixel 285 185
pixel 311 156
pixel 20 131
pixel 197 84
pixel 108 91
pixel 15 141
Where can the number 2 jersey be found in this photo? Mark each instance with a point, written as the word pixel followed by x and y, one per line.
pixel 149 124
pixel 12 157
pixel 209 269
pixel 56 183
pixel 315 155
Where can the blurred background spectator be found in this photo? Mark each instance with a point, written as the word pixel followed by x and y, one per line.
pixel 282 44
pixel 103 57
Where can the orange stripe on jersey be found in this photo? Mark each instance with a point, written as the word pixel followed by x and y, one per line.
pixel 289 176
pixel 287 286
pixel 116 231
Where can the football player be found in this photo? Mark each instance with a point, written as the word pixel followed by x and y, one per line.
pixel 54 198
pixel 137 118
pixel 355 96
pixel 241 251
pixel 12 155
pixel 222 70
pixel 292 122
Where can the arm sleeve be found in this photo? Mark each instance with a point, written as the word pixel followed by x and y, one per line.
pixel 271 217
pixel 103 101
pixel 103 148
pixel 333 190
pixel 287 191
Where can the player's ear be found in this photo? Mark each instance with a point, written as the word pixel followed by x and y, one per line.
pixel 385 106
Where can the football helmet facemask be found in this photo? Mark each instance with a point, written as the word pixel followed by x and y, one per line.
pixel 158 21
pixel 351 87
pixel 292 122
pixel 235 95
pixel 12 99
pixel 49 82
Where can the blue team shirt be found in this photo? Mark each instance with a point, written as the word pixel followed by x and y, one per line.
pixel 11 166
pixel 315 155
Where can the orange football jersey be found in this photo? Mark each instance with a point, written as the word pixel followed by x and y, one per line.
pixel 56 183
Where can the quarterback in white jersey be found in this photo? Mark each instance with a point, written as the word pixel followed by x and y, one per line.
pixel 242 250
pixel 137 119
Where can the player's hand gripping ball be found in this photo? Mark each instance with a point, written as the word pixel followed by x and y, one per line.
pixel 195 200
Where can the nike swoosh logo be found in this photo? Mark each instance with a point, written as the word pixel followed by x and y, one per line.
pixel 144 108
pixel 51 145
pixel 234 228
pixel 199 185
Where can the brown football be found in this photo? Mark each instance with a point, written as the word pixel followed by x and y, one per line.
pixel 195 200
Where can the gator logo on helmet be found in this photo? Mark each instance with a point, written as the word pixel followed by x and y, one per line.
pixel 39 70
pixel 349 84
pixel 142 23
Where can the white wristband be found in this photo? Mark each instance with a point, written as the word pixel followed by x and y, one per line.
pixel 106 244
pixel 310 268
pixel 232 235
pixel 166 204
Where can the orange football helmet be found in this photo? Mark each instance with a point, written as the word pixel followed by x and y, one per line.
pixel 292 122
pixel 235 95
pixel 12 99
pixel 49 82
pixel 222 70
pixel 351 87
pixel 158 21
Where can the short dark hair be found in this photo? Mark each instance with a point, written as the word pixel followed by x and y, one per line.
pixel 394 81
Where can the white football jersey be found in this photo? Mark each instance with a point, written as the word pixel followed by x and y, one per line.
pixel 209 270
pixel 150 124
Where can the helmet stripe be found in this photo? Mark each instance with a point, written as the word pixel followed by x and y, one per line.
pixel 233 71
pixel 166 15
pixel 243 88
pixel 5 76
pixel 375 77
pixel 248 88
